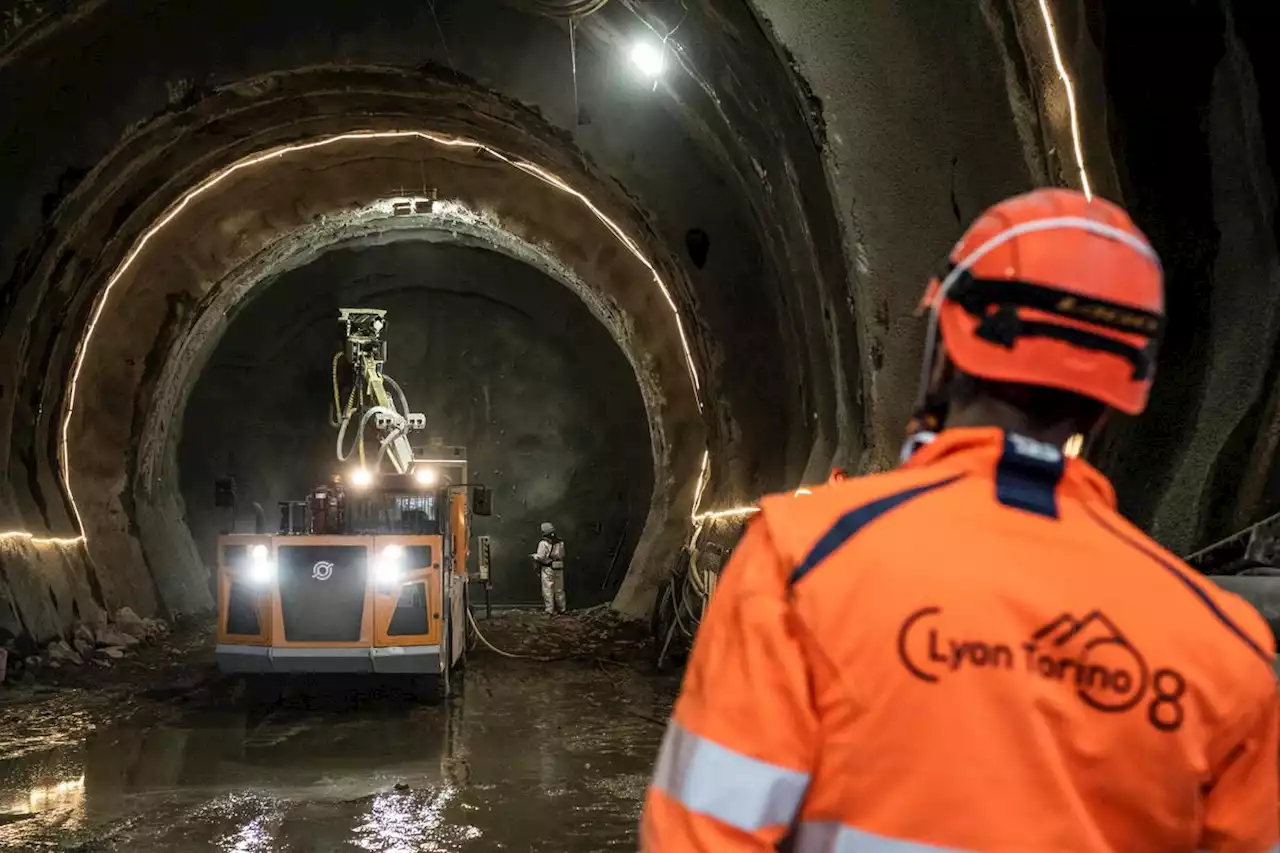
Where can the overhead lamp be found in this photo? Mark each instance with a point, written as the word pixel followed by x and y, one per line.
pixel 361 478
pixel 425 476
pixel 650 58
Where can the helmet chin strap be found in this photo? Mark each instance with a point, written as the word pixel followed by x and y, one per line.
pixel 931 412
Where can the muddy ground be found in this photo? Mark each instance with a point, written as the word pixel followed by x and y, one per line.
pixel 162 753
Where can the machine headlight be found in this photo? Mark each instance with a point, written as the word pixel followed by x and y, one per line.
pixel 262 569
pixel 262 572
pixel 425 476
pixel 390 564
pixel 361 478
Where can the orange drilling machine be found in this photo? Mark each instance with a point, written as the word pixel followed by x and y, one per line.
pixel 367 575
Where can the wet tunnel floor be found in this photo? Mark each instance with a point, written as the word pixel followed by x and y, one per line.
pixel 527 756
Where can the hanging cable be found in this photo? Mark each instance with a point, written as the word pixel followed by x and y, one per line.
pixel 573 57
pixel 560 8
pixel 444 43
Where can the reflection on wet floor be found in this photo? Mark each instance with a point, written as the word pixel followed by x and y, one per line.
pixel 529 757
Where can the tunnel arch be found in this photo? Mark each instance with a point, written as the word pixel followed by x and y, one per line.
pixel 499 356
pixel 111 361
pixel 735 162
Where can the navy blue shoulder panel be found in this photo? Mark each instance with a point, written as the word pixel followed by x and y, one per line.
pixel 1028 475
pixel 1227 621
pixel 848 525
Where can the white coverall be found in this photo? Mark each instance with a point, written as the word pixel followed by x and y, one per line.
pixel 550 560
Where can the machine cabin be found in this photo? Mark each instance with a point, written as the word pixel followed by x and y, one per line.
pixel 378 586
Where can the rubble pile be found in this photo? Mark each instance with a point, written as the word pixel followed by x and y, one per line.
pixel 97 642
pixel 598 632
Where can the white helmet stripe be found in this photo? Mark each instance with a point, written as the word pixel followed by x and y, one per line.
pixel 1054 223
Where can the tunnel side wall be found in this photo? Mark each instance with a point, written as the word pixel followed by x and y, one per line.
pixel 930 114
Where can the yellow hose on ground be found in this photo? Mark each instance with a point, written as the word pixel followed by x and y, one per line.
pixel 471 617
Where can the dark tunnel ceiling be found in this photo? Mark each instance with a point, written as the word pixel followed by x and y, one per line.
pixel 793 179
pixel 502 359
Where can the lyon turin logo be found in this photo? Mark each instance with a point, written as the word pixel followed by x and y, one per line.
pixel 322 570
pixel 1089 655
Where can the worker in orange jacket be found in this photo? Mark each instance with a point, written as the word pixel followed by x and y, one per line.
pixel 976 652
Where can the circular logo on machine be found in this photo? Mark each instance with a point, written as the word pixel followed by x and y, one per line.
pixel 322 570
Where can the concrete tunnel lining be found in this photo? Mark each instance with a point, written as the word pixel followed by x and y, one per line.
pixel 159 538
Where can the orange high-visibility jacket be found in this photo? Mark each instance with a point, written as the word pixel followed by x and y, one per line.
pixel 974 652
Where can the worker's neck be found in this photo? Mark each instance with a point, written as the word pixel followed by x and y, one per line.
pixel 991 413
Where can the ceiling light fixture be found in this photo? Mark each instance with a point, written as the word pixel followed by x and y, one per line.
pixel 650 58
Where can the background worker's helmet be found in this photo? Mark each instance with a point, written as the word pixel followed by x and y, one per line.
pixel 548 528
pixel 1053 289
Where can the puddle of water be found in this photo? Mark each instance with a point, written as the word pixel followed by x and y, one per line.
pixel 549 758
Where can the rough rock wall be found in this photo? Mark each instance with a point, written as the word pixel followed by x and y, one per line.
pixel 920 136
pixel 500 358
pixel 1195 120
pixel 931 115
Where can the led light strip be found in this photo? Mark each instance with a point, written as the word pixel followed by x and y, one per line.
pixel 1071 97
pixel 217 178
pixel 24 536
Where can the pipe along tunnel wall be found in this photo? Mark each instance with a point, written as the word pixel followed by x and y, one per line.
pixel 793 181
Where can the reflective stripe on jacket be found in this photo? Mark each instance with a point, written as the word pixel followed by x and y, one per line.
pixel 972 653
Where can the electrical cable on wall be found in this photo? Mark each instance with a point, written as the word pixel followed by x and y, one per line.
pixel 560 8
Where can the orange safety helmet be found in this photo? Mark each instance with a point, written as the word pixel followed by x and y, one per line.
pixel 1054 289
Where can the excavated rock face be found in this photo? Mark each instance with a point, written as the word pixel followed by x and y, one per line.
pixel 792 182
pixel 500 358
pixel 1195 121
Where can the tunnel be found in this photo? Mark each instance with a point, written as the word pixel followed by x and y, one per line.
pixel 645 260
pixel 641 301
pixel 505 360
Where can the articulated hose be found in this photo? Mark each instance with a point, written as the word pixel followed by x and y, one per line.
pixel 338 411
pixel 395 386
pixel 342 431
pixel 386 442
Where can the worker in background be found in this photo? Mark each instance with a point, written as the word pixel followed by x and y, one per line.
pixel 549 558
pixel 976 651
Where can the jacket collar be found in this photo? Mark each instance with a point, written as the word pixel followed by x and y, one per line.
pixel 980 450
